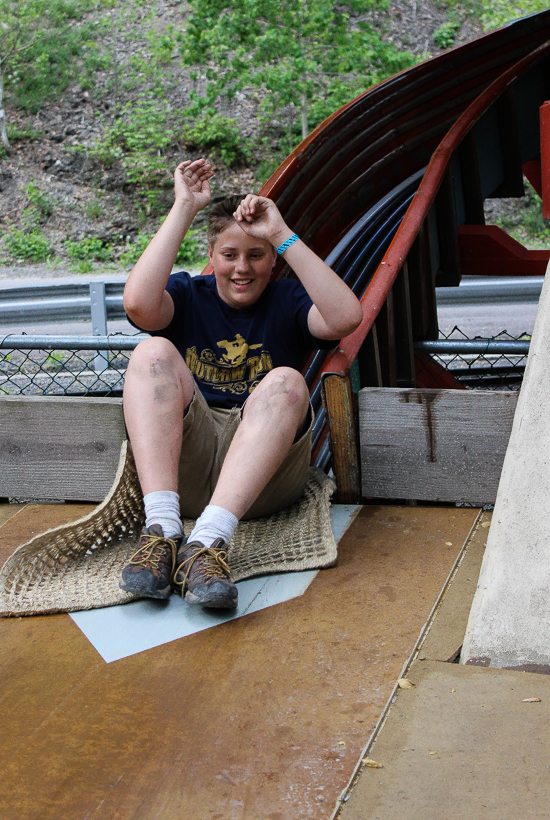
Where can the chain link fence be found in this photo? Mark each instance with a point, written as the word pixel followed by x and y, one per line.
pixel 455 360
pixel 95 366
pixel 65 366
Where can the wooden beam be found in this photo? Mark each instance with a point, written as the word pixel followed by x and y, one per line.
pixel 434 445
pixel 339 403
pixel 59 448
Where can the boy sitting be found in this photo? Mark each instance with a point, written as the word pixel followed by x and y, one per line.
pixel 216 408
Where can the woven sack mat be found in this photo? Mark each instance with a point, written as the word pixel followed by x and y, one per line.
pixel 78 565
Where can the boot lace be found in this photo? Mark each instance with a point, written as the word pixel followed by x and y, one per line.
pixel 206 562
pixel 152 550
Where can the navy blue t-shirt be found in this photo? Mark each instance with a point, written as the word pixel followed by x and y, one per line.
pixel 228 350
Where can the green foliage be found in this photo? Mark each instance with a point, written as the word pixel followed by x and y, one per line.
pixel 45 45
pixel 90 249
pixel 23 134
pixel 533 222
pixel 93 209
pixel 31 246
pixel 269 165
pixel 218 135
pixel 138 139
pixel 308 55
pixel 445 35
pixel 189 251
pixel 496 13
pixel 162 44
pixel 188 254
pixel 132 253
pixel 39 200
pixel 523 220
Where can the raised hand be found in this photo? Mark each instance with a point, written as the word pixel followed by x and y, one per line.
pixel 260 217
pixel 191 183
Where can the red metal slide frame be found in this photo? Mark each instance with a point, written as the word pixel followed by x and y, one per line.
pixel 393 260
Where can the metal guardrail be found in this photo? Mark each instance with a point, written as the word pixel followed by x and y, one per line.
pixel 102 301
pixel 491 291
pixel 65 302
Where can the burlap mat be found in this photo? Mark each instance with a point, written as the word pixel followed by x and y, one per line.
pixel 78 565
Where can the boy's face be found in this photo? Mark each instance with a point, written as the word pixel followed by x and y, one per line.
pixel 242 266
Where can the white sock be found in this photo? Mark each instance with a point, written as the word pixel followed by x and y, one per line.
pixel 163 507
pixel 215 522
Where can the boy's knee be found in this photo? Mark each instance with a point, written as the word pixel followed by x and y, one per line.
pixel 283 386
pixel 157 356
pixel 158 361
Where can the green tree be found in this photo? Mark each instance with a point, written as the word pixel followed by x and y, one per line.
pixel 306 56
pixel 40 41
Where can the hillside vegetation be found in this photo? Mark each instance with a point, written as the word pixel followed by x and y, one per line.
pixel 103 99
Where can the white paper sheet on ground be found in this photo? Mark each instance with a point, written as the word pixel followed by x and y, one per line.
pixel 119 631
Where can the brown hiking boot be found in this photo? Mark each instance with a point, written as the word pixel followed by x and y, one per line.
pixel 202 575
pixel 149 570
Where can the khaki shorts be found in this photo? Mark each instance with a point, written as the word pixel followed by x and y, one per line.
pixel 207 434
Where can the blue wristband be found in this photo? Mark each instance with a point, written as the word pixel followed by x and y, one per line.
pixel 286 245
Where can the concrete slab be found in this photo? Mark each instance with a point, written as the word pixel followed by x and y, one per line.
pixel 446 635
pixel 509 624
pixel 261 717
pixel 461 745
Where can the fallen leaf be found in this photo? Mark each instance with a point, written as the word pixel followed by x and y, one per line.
pixel 405 683
pixel 341 742
pixel 486 524
pixel 372 764
pixel 453 690
pixel 531 700
pixel 448 543
pixel 432 753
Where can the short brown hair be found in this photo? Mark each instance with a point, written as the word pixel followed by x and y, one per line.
pixel 221 215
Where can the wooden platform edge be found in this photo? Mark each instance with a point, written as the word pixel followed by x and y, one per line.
pixel 433 445
pixel 59 447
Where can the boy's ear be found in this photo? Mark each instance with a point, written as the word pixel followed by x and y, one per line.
pixel 210 253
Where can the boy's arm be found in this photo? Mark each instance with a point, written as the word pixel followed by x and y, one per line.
pixel 336 312
pixel 145 299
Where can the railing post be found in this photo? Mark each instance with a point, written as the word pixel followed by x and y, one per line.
pixel 339 402
pixel 99 322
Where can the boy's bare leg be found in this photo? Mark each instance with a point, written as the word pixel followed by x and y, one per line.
pixel 273 415
pixel 157 389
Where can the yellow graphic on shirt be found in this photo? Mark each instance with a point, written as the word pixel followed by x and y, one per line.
pixel 232 372
pixel 235 352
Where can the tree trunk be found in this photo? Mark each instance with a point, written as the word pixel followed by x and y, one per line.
pixel 305 129
pixel 3 129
